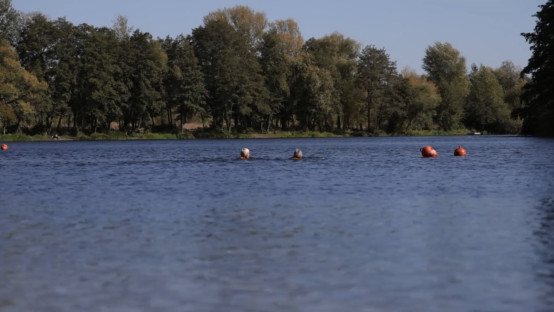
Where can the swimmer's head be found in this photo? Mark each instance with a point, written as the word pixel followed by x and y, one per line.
pixel 297 154
pixel 244 153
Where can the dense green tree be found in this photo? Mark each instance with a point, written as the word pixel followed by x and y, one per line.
pixel 46 48
pixel 37 53
pixel 232 76
pixel 485 109
pixel 95 99
pixel 512 82
pixel 276 71
pixel 338 55
pixel 538 93
pixel 251 107
pixel 407 104
pixel 290 38
pixel 183 82
pixel 62 76
pixel 319 85
pixel 212 44
pixel 247 23
pixel 376 75
pixel 281 52
pixel 313 90
pixel 145 64
pixel 36 47
pixel 126 61
pixel 446 68
pixel 392 113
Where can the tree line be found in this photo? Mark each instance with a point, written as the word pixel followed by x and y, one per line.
pixel 238 72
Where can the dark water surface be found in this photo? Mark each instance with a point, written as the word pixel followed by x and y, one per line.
pixel 360 224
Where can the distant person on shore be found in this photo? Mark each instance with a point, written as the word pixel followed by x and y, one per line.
pixel 297 155
pixel 244 153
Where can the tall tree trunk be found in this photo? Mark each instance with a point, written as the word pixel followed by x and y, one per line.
pixel 170 117
pixel 58 126
pixel 369 105
pixel 182 123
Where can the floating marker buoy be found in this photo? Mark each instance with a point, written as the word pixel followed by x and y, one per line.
pixel 433 153
pixel 428 151
pixel 4 147
pixel 460 151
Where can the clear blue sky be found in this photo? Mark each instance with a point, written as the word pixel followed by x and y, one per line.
pixel 484 31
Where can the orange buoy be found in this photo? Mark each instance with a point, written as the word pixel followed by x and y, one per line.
pixel 460 151
pixel 428 151
pixel 4 147
pixel 425 150
pixel 433 153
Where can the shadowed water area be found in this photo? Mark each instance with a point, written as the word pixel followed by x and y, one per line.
pixel 359 224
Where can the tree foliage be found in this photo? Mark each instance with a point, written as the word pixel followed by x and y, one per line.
pixel 239 72
pixel 146 63
pixel 281 56
pixel 422 102
pixel 337 55
pixel 276 69
pixel 512 82
pixel 248 24
pixel 485 109
pixel 10 22
pixel 20 90
pixel 232 75
pixel 538 93
pixel 376 72
pixel 446 68
pixel 183 82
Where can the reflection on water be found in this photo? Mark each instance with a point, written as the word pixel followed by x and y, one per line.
pixel 545 248
pixel 360 224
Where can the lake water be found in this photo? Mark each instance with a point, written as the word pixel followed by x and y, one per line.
pixel 359 224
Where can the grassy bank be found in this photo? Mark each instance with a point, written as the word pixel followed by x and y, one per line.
pixel 23 138
pixel 438 132
pixel 111 136
pixel 120 136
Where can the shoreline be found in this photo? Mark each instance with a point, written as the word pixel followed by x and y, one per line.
pixel 193 135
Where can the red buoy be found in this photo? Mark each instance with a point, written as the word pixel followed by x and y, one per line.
pixel 460 151
pixel 428 151
pixel 4 147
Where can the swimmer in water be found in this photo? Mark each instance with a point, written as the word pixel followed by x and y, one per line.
pixel 297 154
pixel 244 153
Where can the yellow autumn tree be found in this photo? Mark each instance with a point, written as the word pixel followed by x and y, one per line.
pixel 424 100
pixel 19 89
pixel 245 21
